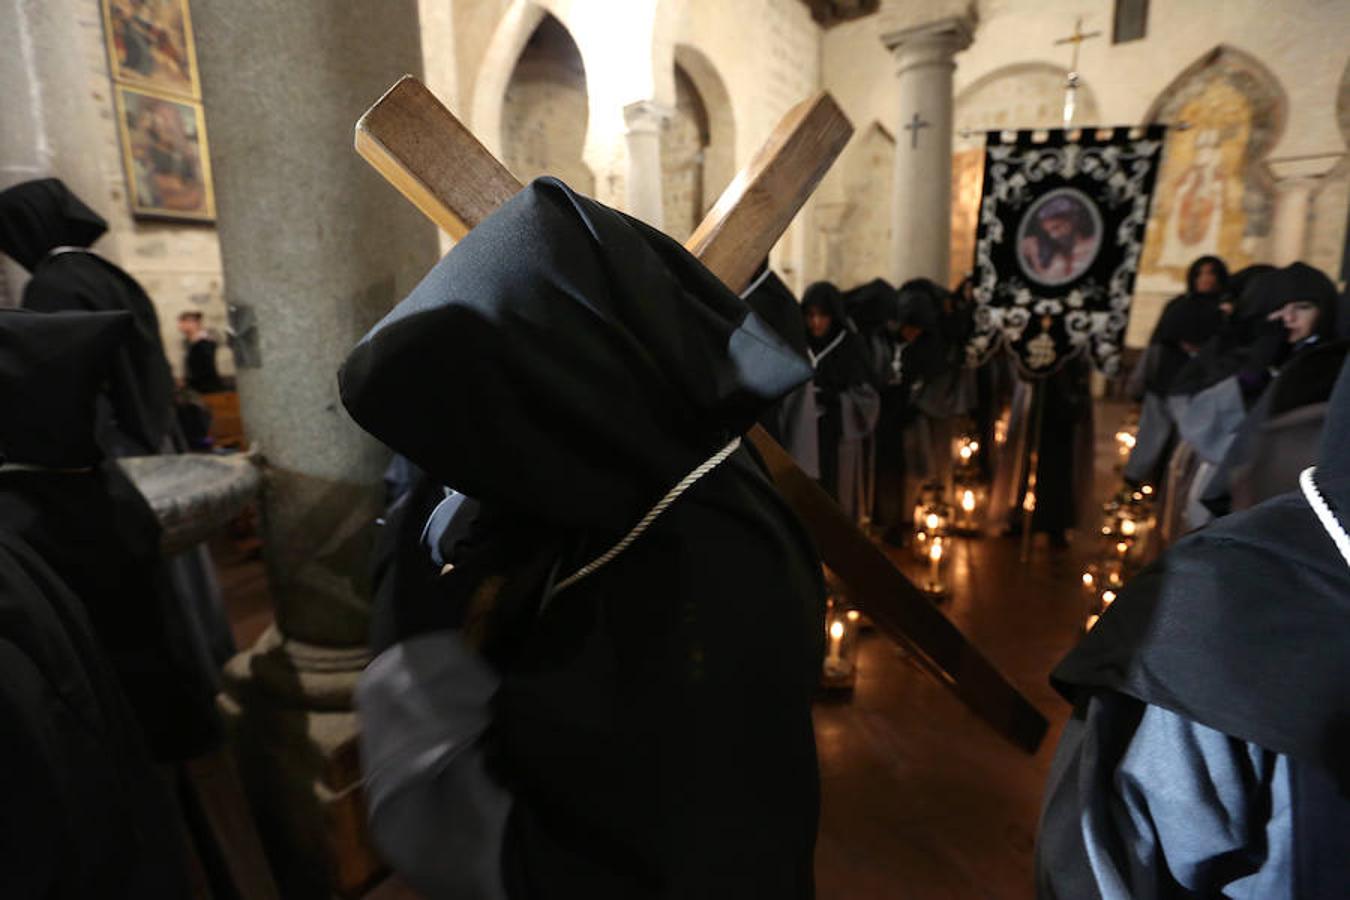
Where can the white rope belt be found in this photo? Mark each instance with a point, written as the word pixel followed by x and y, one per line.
pixel 652 515
pixel 1324 514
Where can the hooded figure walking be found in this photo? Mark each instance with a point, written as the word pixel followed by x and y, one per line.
pixel 597 682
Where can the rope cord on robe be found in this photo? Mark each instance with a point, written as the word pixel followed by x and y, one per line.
pixel 829 348
pixel 652 515
pixel 1328 518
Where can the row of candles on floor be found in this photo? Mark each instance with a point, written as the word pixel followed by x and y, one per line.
pixel 1128 523
pixel 936 524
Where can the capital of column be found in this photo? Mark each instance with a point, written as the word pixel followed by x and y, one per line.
pixel 646 117
pixel 930 44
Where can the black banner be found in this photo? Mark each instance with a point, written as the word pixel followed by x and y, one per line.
pixel 1060 234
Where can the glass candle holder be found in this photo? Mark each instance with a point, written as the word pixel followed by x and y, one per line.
pixel 839 672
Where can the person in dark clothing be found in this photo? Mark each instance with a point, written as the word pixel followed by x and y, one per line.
pixel 611 695
pixel 1064 458
pixel 82 631
pixel 792 421
pixel 47 230
pixel 1208 753
pixel 846 395
pixel 1187 323
pixel 199 364
pixel 908 348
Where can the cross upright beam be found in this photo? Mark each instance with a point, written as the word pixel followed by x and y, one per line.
pixel 436 163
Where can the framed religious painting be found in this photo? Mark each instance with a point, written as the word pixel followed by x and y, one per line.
pixel 150 45
pixel 165 155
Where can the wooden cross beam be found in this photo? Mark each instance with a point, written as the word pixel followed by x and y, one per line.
pixel 425 152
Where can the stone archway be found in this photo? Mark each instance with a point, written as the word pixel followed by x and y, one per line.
pixel 545 109
pixel 697 144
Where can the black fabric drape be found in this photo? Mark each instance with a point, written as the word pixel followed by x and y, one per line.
pixel 565 366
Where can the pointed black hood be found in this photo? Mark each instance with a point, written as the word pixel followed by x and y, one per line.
pixel 566 361
pixel 38 216
pixel 52 369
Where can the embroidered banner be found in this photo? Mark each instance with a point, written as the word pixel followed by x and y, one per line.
pixel 1061 230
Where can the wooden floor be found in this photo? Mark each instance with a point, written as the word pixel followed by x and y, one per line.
pixel 920 799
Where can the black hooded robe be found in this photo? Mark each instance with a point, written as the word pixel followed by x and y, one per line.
pixel 793 421
pixel 84 813
pixel 846 398
pixel 903 368
pixel 647 733
pixel 47 229
pixel 1209 750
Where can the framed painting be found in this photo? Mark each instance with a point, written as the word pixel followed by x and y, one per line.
pixel 150 45
pixel 165 154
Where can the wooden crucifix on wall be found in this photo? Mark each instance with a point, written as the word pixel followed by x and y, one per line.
pixel 437 163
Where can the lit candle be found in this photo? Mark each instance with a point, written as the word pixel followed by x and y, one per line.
pixel 1122 548
pixel 1127 527
pixel 1029 502
pixel 935 557
pixel 1088 579
pixel 1146 490
pixel 853 615
pixel 974 446
pixel 966 453
pixel 932 521
pixel 836 639
pixel 1091 621
pixel 1108 597
pixel 968 500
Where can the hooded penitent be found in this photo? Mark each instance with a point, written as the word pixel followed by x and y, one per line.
pixel 1186 324
pixel 47 230
pixel 1243 628
pixel 90 524
pixel 846 396
pixel 566 365
pixel 84 814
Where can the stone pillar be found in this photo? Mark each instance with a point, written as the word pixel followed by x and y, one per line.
pixel 922 202
pixel 48 114
pixel 319 247
pixel 1289 228
pixel 643 196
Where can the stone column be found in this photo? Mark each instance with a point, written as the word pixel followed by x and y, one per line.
pixel 1289 228
pixel 319 247
pixel 643 195
pixel 922 201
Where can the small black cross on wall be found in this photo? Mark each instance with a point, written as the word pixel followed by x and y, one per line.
pixel 913 128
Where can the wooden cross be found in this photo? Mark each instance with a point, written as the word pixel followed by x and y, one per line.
pixel 1077 39
pixel 425 152
pixel 913 128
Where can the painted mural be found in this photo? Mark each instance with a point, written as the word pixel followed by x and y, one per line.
pixel 1198 208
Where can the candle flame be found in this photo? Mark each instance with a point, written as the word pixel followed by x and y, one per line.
pixel 836 629
pixel 1088 579
pixel 974 446
pixel 1108 597
pixel 853 615
pixel 932 521
pixel 1122 547
pixel 1029 502
pixel 1146 490
pixel 1127 527
pixel 1091 621
pixel 935 552
pixel 968 501
pixel 966 453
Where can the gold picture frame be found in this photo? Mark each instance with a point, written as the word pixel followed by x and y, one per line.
pixel 150 45
pixel 165 156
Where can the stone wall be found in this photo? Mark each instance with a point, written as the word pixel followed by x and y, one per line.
pixel 178 264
